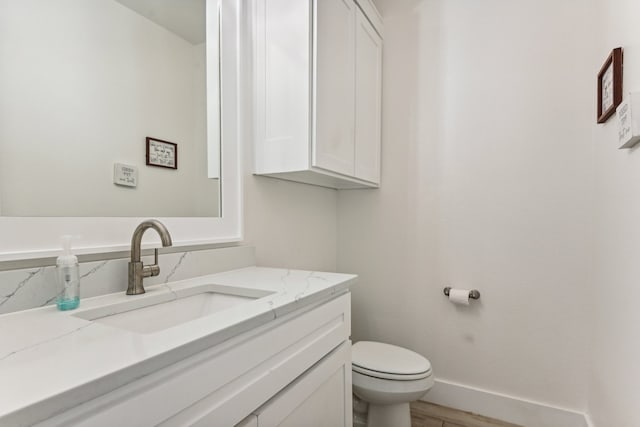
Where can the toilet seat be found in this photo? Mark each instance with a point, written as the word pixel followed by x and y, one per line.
pixel 389 362
pixel 388 375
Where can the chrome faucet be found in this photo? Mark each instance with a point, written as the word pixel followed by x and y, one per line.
pixel 137 270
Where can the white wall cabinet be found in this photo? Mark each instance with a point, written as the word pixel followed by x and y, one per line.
pixel 273 375
pixel 318 69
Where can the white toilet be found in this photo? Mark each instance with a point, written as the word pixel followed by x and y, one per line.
pixel 388 377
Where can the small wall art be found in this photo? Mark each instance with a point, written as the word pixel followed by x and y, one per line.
pixel 610 85
pixel 161 153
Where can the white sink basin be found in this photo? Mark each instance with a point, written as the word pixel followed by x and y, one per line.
pixel 149 313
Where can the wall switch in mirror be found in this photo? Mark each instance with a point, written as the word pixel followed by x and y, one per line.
pixel 125 175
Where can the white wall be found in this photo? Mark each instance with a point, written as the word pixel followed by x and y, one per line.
pixel 291 225
pixel 83 82
pixel 487 177
pixel 614 390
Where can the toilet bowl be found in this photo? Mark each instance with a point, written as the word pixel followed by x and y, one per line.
pixel 388 377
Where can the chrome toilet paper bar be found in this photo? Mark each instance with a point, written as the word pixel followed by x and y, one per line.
pixel 473 294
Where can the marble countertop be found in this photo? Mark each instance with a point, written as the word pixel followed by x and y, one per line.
pixel 52 360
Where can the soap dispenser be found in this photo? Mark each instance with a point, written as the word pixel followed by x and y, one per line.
pixel 68 275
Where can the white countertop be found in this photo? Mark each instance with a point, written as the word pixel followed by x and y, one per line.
pixel 52 360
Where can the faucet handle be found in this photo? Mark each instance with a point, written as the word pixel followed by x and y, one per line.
pixel 152 270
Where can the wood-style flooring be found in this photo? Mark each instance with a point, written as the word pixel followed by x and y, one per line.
pixel 424 414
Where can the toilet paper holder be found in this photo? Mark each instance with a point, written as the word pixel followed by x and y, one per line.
pixel 473 294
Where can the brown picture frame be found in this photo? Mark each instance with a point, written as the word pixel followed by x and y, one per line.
pixel 610 85
pixel 161 153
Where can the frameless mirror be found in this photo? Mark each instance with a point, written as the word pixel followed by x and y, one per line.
pixel 103 109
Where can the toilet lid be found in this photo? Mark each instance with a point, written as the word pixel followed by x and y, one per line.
pixel 388 361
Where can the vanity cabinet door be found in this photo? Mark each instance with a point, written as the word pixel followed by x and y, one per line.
pixel 319 398
pixel 334 80
pixel 368 106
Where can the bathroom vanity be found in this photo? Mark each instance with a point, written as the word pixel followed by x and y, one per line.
pixel 248 346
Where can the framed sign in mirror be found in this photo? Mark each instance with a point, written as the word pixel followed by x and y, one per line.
pixel 161 153
pixel 610 85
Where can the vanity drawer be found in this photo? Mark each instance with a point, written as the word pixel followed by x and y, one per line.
pixel 226 382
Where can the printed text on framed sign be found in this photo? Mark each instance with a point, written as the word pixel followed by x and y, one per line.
pixel 161 153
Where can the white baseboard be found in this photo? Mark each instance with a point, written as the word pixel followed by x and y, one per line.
pixel 503 407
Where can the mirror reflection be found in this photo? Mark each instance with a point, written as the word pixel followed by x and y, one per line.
pixel 103 109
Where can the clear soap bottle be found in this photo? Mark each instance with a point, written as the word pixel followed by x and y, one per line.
pixel 68 276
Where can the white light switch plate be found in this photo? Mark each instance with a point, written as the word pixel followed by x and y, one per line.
pixel 628 113
pixel 125 175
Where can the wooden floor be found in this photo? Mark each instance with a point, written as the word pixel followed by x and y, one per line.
pixel 425 414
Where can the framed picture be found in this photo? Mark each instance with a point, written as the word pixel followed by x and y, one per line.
pixel 161 153
pixel 610 85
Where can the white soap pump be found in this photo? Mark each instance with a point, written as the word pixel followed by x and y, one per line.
pixel 68 274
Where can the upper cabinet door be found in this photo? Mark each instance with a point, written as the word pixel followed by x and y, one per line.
pixel 368 100
pixel 283 88
pixel 334 85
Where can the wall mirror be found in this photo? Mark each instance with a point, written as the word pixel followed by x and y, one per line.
pixel 114 111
